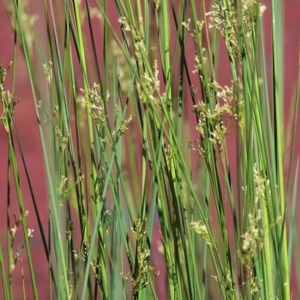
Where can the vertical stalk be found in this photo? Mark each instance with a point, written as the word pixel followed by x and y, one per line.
pixel 278 95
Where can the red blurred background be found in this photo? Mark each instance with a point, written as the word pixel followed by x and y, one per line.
pixel 26 125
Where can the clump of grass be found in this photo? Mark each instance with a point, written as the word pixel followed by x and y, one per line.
pixel 124 165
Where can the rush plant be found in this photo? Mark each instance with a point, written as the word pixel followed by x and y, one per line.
pixel 165 180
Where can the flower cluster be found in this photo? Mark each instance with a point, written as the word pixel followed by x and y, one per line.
pixel 142 273
pixel 27 21
pixel 149 87
pixel 211 121
pixel 200 228
pixel 92 99
pixel 12 236
pixel 226 20
pixel 251 240
pixel 7 98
